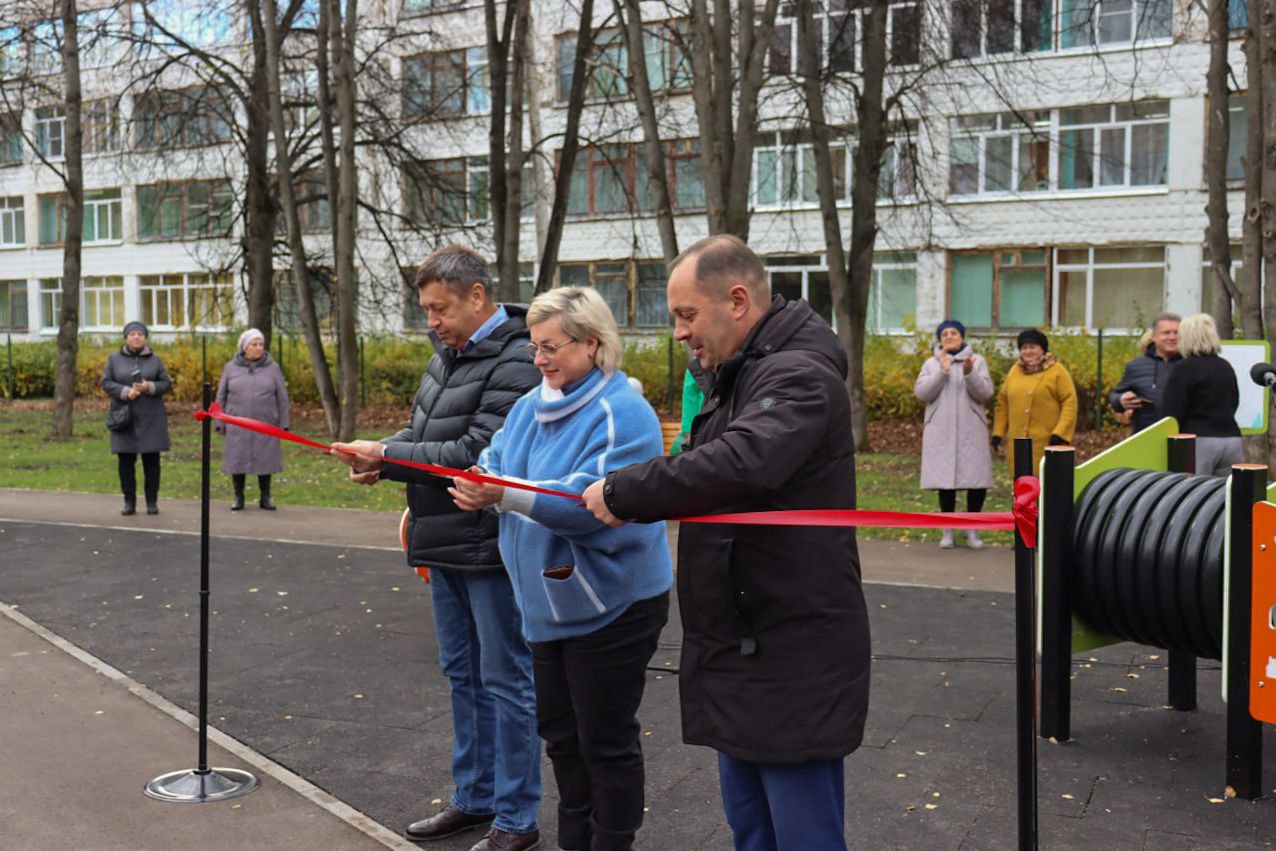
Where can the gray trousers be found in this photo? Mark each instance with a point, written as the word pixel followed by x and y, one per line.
pixel 1216 455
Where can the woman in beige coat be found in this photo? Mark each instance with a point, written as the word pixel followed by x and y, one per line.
pixel 954 383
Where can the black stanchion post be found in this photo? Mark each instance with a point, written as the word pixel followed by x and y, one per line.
pixel 1181 458
pixel 203 784
pixel 1056 593
pixel 1025 669
pixel 1244 734
pixel 1098 383
pixel 10 347
pixel 363 383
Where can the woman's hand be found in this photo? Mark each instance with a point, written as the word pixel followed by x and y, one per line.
pixel 967 365
pixel 128 394
pixel 945 362
pixel 474 496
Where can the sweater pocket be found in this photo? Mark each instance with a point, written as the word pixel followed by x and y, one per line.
pixel 571 597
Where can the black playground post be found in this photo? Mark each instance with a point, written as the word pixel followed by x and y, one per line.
pixel 203 784
pixel 1025 668
pixel 1056 593
pixel 1244 734
pixel 1181 458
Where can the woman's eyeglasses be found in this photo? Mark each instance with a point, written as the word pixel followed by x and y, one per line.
pixel 549 350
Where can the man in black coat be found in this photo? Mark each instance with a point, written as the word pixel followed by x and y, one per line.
pixel 480 368
pixel 775 657
pixel 1143 381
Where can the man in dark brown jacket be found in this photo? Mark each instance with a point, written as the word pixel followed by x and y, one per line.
pixel 775 657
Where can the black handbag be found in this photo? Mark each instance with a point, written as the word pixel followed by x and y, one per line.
pixel 119 417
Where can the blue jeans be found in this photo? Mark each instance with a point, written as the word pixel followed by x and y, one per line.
pixel 496 760
pixel 784 807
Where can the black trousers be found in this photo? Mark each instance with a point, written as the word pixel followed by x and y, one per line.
pixel 974 500
pixel 150 474
pixel 587 694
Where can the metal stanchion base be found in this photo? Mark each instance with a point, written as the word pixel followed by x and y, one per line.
pixel 191 786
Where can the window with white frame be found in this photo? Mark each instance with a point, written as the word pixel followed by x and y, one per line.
pixel 11 139
pixel 50 303
pixel 1086 23
pixel 1123 144
pixel 837 24
pixel 13 227
pixel 46 47
pixel 181 118
pixel 1209 286
pixel 892 299
pixel 1003 289
pixel 11 52
pixel 13 306
pixel 425 7
pixel 992 27
pixel 1237 135
pixel 50 132
pixel 102 303
pixel 1108 288
pixel 445 83
pixel 102 37
pixel 623 284
pixel 100 122
pixel 103 216
pixel 797 276
pixel 784 170
pixel 196 301
pixel 446 193
pixel 1000 152
pixel 173 25
pixel 664 48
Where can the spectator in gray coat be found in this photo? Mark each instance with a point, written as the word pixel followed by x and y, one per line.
pixel 1138 393
pixel 252 385
pixel 954 383
pixel 135 376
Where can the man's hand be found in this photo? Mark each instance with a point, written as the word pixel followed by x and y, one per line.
pixel 363 456
pixel 1130 400
pixel 593 499
pixel 369 478
pixel 474 496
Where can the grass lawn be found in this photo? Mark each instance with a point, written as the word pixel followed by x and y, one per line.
pixel 85 464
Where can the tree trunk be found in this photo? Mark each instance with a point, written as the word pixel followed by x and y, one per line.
pixel 260 210
pixel 512 212
pixel 754 41
pixel 571 143
pixel 69 320
pixel 712 153
pixel 630 14
pixel 296 246
pixel 343 35
pixel 1251 228
pixel 1218 131
pixel 505 136
pixel 852 305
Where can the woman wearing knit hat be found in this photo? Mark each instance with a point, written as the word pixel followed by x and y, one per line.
pixel 252 385
pixel 1036 400
pixel 954 383
pixel 135 379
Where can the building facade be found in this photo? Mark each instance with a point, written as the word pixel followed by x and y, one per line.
pixel 1046 167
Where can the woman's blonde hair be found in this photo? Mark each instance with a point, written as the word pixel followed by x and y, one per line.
pixel 1198 336
pixel 583 314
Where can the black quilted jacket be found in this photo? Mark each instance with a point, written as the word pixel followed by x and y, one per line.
pixel 462 401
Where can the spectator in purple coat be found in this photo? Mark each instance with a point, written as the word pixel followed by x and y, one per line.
pixel 252 385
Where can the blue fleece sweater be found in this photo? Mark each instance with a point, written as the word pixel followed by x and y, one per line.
pixel 568 441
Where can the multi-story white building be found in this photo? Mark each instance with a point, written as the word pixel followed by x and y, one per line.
pixel 1052 174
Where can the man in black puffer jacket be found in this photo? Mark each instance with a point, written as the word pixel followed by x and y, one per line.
pixel 775 645
pixel 1141 385
pixel 480 368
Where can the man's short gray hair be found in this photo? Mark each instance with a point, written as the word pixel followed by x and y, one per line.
pixel 456 266
pixel 721 262
pixel 1164 317
pixel 583 314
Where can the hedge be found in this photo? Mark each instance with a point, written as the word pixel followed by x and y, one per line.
pixel 392 367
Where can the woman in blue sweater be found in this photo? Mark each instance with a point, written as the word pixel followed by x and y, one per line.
pixel 593 598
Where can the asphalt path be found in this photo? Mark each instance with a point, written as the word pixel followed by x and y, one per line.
pixel 324 660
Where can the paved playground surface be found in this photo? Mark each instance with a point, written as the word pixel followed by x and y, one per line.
pixel 324 678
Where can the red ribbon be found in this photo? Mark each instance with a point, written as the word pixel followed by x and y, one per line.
pixel 1023 515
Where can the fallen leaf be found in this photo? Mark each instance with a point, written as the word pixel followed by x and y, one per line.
pixel 932 806
pixel 920 753
pixel 252 590
pixel 138 596
pixel 1118 688
pixel 1067 797
pixel 1215 800
pixel 437 801
pixel 282 593
pixel 358 697
pixel 901 774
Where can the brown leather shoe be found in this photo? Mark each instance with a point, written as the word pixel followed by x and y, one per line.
pixel 499 840
pixel 449 822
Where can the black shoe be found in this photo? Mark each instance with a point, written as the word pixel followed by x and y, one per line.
pixel 130 507
pixel 238 504
pixel 449 822
pixel 266 503
pixel 152 508
pixel 499 840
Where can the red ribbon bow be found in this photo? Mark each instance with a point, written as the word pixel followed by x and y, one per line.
pixel 1022 517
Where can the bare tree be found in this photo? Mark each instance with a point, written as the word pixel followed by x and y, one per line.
pixel 571 144
pixel 1218 132
pixel 849 275
pixel 288 198
pixel 727 104
pixel 69 321
pixel 343 35
pixel 507 67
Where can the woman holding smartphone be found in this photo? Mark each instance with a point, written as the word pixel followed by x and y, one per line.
pixel 954 383
pixel 135 379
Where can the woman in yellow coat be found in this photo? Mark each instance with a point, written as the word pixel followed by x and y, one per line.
pixel 1036 400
